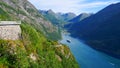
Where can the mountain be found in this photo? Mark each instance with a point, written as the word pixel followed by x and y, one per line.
pixel 52 17
pixel 77 19
pixel 25 11
pixel 68 16
pixel 80 17
pixel 35 48
pixel 101 30
pixel 57 19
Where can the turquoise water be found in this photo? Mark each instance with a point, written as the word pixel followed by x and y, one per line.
pixel 88 57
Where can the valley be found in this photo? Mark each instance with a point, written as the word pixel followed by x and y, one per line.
pixel 50 39
pixel 101 30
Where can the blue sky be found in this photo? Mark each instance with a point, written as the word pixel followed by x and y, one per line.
pixel 76 6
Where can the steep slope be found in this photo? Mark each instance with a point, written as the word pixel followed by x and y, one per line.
pixel 101 30
pixel 33 50
pixel 25 11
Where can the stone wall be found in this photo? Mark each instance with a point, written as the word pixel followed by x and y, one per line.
pixel 10 31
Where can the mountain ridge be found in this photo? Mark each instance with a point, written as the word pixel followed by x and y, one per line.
pixel 80 17
pixel 25 11
pixel 101 30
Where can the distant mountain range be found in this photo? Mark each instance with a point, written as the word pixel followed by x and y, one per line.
pixel 77 19
pixel 68 16
pixel 51 16
pixel 101 30
pixel 80 17
pixel 58 19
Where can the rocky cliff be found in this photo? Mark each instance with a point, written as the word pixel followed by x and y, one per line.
pixel 23 10
pixel 34 49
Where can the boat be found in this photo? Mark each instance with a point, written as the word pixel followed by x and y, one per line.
pixel 68 41
pixel 112 63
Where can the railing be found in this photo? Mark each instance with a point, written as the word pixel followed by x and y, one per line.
pixel 10 23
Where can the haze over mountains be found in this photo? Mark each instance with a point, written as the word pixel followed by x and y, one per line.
pixel 80 17
pixel 101 30
pixel 57 18
pixel 63 18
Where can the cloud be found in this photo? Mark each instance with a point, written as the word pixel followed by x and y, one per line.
pixel 94 6
pixel 76 6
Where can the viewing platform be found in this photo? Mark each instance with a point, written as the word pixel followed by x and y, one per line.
pixel 10 30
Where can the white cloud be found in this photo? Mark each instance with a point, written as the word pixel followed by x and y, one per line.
pixel 76 6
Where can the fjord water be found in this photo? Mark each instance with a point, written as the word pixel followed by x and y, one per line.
pixel 88 57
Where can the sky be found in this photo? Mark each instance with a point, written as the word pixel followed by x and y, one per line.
pixel 75 6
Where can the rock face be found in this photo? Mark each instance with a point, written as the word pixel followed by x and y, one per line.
pixel 24 11
pixel 10 30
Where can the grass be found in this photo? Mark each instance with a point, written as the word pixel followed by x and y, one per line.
pixel 16 54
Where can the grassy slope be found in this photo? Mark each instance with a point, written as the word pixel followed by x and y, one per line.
pixel 16 54
pixel 45 53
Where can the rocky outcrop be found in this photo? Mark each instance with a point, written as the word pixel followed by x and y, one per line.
pixel 23 10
